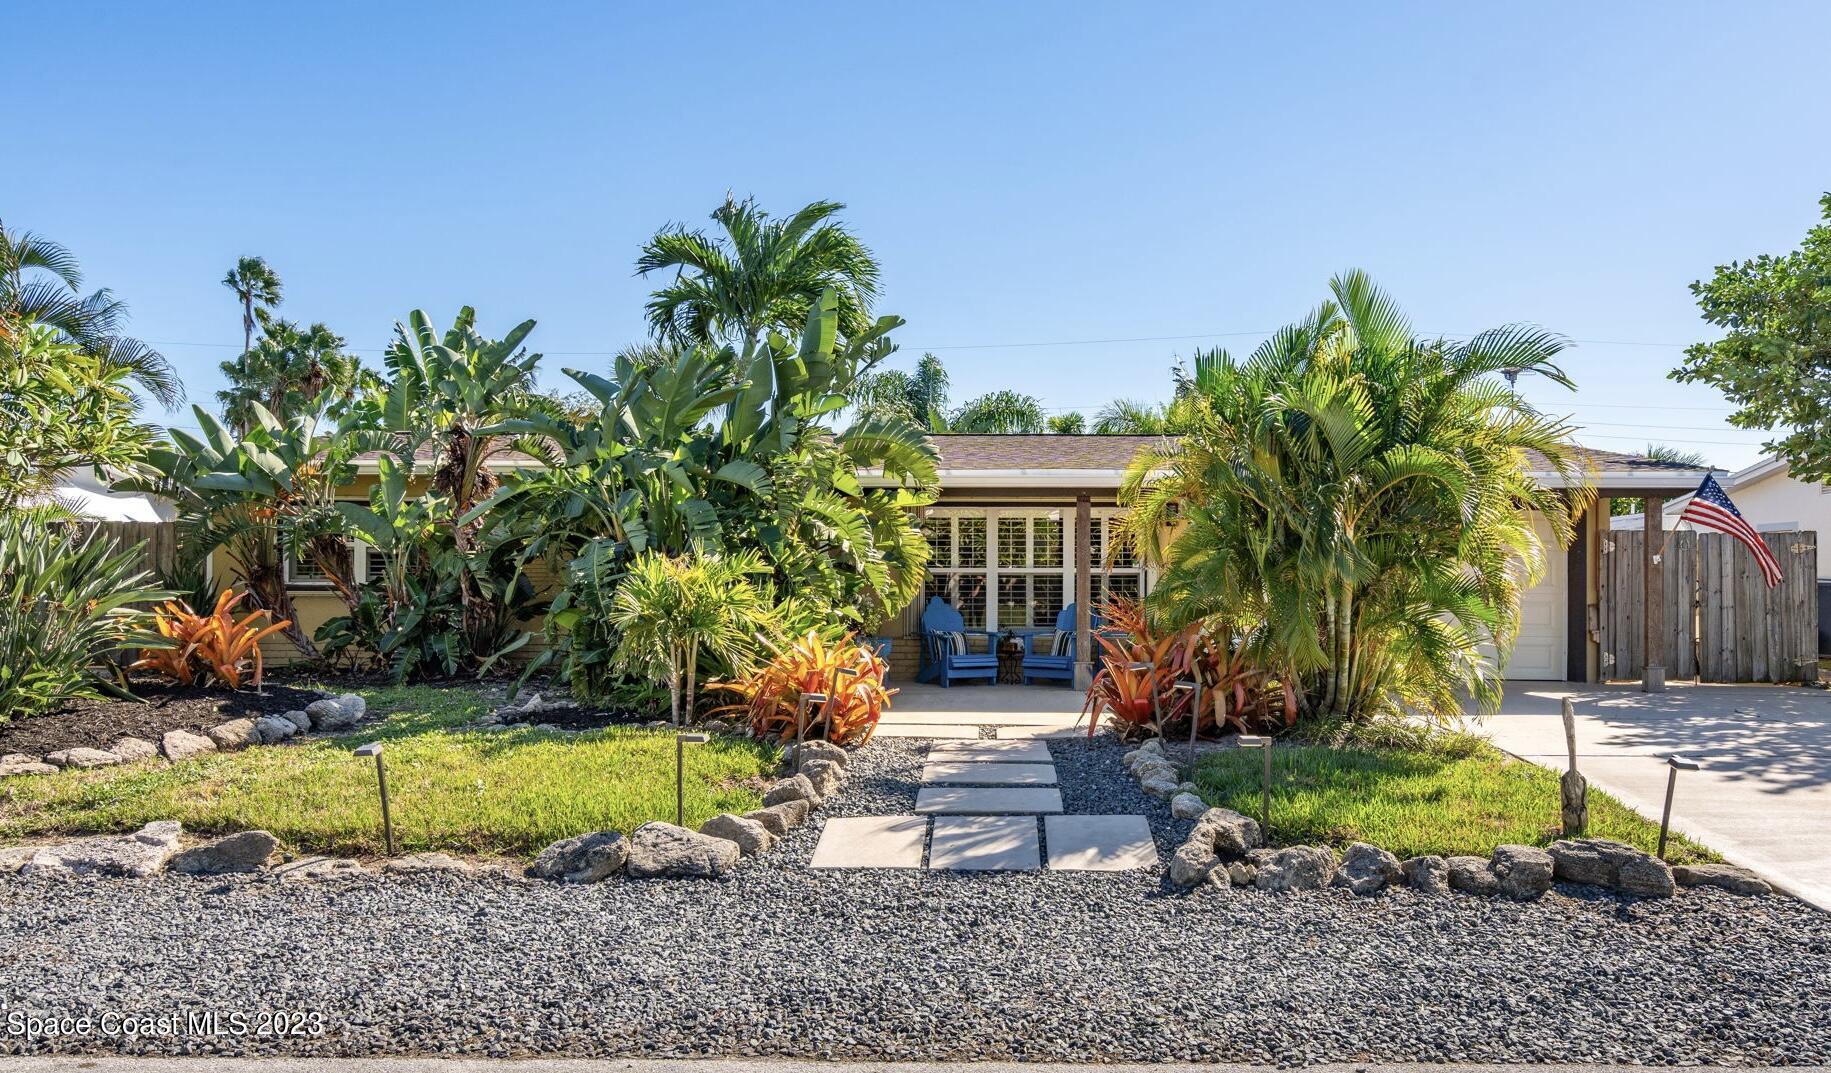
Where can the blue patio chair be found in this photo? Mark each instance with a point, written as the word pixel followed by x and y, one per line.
pixel 1051 655
pixel 944 647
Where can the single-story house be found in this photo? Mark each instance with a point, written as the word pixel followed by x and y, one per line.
pixel 1022 526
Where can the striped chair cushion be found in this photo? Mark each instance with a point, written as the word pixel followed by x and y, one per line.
pixel 1062 643
pixel 956 642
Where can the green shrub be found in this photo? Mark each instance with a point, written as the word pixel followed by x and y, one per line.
pixel 66 605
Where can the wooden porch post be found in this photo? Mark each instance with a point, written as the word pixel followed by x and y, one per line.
pixel 1083 593
pixel 1653 596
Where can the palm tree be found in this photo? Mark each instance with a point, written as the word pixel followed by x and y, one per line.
pixel 919 396
pixel 288 370
pixel 670 609
pixel 1007 412
pixel 1072 423
pixel 41 283
pixel 1357 499
pixel 757 274
pixel 257 288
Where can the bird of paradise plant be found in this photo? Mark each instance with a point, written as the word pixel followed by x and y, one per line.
pixel 218 646
pixel 849 674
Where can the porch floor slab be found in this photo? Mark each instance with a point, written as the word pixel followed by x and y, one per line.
pixel 991 750
pixel 976 773
pixel 871 842
pixel 1040 733
pixel 985 844
pixel 926 730
pixel 979 717
pixel 1099 843
pixel 987 801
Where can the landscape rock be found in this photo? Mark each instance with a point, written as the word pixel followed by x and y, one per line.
pixel 244 851
pixel 182 745
pixel 1723 876
pixel 1472 875
pixel 1296 868
pixel 272 729
pixel 1366 869
pixel 300 721
pixel 794 788
pixel 1429 874
pixel 826 776
pixel 1601 862
pixel 1241 874
pixel 336 713
pixel 24 764
pixel 139 854
pixel 13 858
pixel 1524 872
pixel 1158 786
pixel 1187 806
pixel 818 750
pixel 313 868
pixel 81 757
pixel 1191 864
pixel 788 814
pixel 133 750
pixel 1228 833
pixel 235 734
pixel 752 837
pixel 420 864
pixel 662 849
pixel 585 858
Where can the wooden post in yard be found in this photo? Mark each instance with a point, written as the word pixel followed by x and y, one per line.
pixel 1573 788
pixel 1653 596
pixel 1083 594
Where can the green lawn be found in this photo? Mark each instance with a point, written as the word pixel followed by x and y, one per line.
pixel 506 793
pixel 1464 797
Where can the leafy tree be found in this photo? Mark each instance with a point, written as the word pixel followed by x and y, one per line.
pixel 1354 499
pixel 1774 360
pixel 671 609
pixel 1073 423
pixel 758 273
pixel 1003 411
pixel 60 409
pixel 1130 417
pixel 1658 452
pixel 290 370
pixel 919 397
pixel 257 287
pixel 41 285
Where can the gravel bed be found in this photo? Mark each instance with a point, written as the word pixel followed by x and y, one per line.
pixel 780 960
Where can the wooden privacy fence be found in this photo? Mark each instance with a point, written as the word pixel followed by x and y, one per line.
pixel 1723 624
pixel 157 541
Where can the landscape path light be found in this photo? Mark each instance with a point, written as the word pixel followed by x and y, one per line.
pixel 1194 687
pixel 807 701
pixel 681 741
pixel 1674 765
pixel 381 776
pixel 1263 743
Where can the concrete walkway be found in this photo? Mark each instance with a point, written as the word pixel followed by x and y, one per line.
pixel 922 710
pixel 1763 798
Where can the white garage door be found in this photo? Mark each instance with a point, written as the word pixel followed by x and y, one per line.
pixel 1540 652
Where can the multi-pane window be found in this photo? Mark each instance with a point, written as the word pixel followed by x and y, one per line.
pixel 303 572
pixel 1014 568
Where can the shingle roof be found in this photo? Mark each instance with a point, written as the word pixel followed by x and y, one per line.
pixel 1044 451
pixel 965 453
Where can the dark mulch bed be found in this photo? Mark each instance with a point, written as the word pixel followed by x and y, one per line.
pixel 162 706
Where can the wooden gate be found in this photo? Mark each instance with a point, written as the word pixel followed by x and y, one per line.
pixel 1723 624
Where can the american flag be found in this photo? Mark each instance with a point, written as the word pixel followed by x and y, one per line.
pixel 1710 508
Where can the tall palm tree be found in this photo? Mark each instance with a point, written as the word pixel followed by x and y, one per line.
pixel 758 273
pixel 257 287
pixel 919 396
pixel 1357 499
pixel 287 370
pixel 41 283
pixel 1007 412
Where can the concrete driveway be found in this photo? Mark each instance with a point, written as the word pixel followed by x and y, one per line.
pixel 1763 799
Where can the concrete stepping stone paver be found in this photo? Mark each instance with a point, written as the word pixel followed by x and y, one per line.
pixel 871 842
pixel 1099 843
pixel 973 773
pixel 991 750
pixel 987 800
pixel 985 844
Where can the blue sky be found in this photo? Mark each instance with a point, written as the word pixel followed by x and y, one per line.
pixel 1027 174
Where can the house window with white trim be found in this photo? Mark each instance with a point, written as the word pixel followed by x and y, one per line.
pixel 304 572
pixel 1005 568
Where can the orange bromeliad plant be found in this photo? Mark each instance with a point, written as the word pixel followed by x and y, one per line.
pixel 218 645
pixel 1145 698
pixel 850 674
